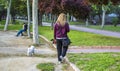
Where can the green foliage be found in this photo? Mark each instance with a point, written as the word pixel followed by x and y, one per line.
pixel 104 2
pixel 46 66
pixel 96 61
pixel 115 21
pixel 4 2
pixel 2 22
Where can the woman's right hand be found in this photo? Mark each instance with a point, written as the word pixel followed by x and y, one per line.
pixel 54 41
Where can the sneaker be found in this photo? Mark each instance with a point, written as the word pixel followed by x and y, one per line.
pixel 62 58
pixel 59 62
pixel 21 34
pixel 16 35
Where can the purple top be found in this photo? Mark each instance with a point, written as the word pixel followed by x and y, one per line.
pixel 61 31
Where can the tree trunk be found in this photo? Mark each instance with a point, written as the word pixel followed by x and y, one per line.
pixel 53 21
pixel 103 17
pixel 87 22
pixel 35 21
pixel 0 17
pixel 10 19
pixel 44 17
pixel 68 17
pixel 13 19
pixel 71 18
pixel 54 18
pixel 40 18
pixel 28 12
pixel 8 16
pixel 100 18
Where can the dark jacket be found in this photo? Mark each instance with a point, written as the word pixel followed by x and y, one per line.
pixel 25 27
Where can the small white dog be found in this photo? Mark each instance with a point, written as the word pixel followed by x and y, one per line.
pixel 30 51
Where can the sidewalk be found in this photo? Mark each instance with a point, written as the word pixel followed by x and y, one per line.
pixel 80 50
pixel 102 32
pixel 13 53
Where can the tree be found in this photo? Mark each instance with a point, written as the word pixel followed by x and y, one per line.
pixel 45 7
pixel 2 11
pixel 41 8
pixel 29 16
pixel 72 7
pixel 96 10
pixel 35 21
pixel 115 9
pixel 18 8
pixel 104 4
pixel 104 9
pixel 8 15
pixel 78 8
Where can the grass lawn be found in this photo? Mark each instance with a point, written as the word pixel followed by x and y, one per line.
pixel 83 38
pixel 107 27
pixel 2 22
pixel 46 66
pixel 96 61
pixel 77 23
pixel 12 27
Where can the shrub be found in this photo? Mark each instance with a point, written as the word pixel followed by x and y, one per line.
pixel 115 21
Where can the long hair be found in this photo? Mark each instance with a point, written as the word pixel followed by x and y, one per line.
pixel 61 19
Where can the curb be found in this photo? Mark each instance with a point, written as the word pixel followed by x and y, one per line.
pixel 96 47
pixel 47 41
pixel 74 67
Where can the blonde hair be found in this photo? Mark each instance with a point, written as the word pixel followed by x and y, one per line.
pixel 61 19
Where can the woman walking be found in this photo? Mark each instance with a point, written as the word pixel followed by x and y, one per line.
pixel 61 28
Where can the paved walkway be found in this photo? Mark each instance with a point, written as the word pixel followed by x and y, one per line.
pixel 80 50
pixel 13 53
pixel 102 32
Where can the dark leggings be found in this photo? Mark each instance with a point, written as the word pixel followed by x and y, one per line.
pixel 61 51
